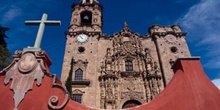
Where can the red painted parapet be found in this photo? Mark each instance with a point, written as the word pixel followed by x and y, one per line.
pixel 190 89
pixel 26 84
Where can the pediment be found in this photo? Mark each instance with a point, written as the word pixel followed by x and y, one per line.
pixel 77 91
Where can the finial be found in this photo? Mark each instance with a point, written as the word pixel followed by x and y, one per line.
pixel 89 1
pixel 125 24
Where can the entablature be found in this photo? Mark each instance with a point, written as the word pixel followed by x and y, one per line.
pixel 130 73
pixel 83 82
pixel 161 31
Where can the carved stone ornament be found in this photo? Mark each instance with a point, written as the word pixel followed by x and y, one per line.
pixel 128 48
pixel 132 95
pixel 27 67
pixel 23 72
pixel 170 39
pixel 165 30
pixel 53 100
pixel 117 85
pixel 90 1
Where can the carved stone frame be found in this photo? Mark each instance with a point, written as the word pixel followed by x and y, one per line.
pixel 80 65
pixel 127 99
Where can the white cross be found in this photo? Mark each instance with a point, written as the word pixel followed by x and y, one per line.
pixel 42 24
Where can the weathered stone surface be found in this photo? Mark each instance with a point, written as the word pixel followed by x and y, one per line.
pixel 151 56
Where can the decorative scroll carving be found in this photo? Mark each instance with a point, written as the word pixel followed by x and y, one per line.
pixel 53 100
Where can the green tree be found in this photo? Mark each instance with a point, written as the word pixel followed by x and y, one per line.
pixel 4 52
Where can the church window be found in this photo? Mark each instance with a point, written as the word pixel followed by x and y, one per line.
pixel 77 97
pixel 78 75
pixel 86 18
pixel 128 65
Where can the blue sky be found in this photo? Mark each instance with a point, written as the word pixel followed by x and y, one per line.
pixel 199 18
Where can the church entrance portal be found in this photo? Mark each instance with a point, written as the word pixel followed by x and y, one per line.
pixel 130 103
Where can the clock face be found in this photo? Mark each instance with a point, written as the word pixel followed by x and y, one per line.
pixel 170 39
pixel 82 38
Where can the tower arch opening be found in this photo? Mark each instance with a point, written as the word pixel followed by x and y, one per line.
pixel 86 18
pixel 131 103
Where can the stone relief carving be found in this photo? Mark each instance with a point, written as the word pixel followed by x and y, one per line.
pixel 153 76
pixel 128 48
pixel 116 84
pixel 53 100
pixel 132 95
pixel 170 39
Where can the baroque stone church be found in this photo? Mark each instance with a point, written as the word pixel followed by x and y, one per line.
pixel 121 70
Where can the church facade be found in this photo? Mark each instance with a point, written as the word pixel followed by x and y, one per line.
pixel 121 70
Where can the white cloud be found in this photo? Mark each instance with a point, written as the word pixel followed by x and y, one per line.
pixel 202 23
pixel 14 13
pixel 216 82
pixel 11 10
pixel 11 14
pixel 213 63
pixel 206 13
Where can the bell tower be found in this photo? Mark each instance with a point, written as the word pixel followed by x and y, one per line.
pixel 81 52
pixel 86 16
pixel 171 44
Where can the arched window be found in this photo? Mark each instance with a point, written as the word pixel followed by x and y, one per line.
pixel 128 65
pixel 86 18
pixel 78 75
